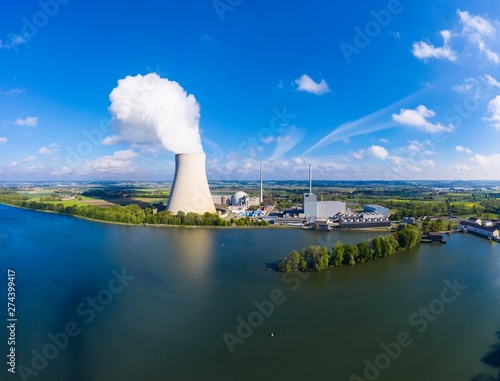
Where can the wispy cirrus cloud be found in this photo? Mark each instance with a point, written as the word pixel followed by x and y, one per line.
pixel 477 29
pixel 30 158
pixel 16 91
pixel 376 121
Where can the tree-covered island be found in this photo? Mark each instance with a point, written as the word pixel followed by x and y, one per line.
pixel 317 258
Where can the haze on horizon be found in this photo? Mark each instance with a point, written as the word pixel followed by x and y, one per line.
pixel 386 90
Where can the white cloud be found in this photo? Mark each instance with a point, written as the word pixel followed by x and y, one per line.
pixel 383 141
pixel 30 158
pixel 267 139
pixel 360 155
pixel 490 54
pixel 476 29
pixel 34 168
pixel 491 81
pixel 461 167
pixel 63 170
pixel 421 146
pixel 30 121
pixel 418 118
pixel 462 88
pixel 476 24
pixel 3 140
pixel 119 162
pixel 463 150
pixel 111 140
pixel 206 37
pixel 307 84
pixel 404 168
pixel 414 147
pixel 17 40
pixel 49 150
pixel 378 152
pixel 13 164
pixel 17 91
pixel 287 142
pixel 148 110
pixel 487 162
pixel 367 124
pixel 494 109
pixel 424 51
pixel 428 163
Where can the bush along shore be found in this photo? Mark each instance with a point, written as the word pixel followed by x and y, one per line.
pixel 317 258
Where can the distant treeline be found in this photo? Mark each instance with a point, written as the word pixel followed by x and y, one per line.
pixel 420 209
pixel 128 193
pixel 318 257
pixel 130 214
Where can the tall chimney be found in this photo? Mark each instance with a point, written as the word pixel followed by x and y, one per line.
pixel 261 187
pixel 310 179
pixel 190 191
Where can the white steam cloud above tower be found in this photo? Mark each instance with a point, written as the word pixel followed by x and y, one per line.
pixel 149 110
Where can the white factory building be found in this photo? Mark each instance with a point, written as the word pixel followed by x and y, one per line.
pixel 240 200
pixel 322 209
pixel 376 209
pixel 482 228
pixel 364 220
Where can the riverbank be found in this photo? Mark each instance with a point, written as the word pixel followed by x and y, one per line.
pixel 153 225
pixel 71 215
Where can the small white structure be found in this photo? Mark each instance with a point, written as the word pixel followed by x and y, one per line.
pixel 376 209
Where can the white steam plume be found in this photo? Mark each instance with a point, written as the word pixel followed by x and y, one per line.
pixel 149 109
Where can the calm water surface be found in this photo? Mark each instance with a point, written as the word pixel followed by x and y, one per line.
pixel 192 285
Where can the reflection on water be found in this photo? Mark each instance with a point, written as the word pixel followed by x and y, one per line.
pixel 196 246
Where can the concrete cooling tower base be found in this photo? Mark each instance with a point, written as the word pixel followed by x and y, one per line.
pixel 190 191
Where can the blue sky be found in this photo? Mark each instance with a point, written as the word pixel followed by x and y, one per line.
pixel 386 90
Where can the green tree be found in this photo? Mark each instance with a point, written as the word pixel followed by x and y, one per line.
pixel 338 254
pixel 377 248
pixel 294 260
pixel 365 254
pixel 350 253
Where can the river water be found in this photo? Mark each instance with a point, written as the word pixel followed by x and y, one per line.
pixel 98 301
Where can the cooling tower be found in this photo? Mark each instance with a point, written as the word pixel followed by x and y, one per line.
pixel 190 191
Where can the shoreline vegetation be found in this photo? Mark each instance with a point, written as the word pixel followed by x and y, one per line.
pixel 318 258
pixel 129 215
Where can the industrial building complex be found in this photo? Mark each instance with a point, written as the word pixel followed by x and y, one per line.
pixel 190 193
